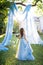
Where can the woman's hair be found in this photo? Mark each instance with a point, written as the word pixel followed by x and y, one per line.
pixel 21 32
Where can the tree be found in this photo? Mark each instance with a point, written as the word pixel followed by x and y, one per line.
pixel 39 10
pixel 3 14
pixel 36 1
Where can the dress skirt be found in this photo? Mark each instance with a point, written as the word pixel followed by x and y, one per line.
pixel 24 51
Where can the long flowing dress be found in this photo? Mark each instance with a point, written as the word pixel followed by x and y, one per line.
pixel 24 51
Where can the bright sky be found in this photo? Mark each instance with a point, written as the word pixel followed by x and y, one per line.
pixel 29 1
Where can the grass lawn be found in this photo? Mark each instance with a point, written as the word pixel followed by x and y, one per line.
pixel 8 57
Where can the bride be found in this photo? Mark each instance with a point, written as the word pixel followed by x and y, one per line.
pixel 24 51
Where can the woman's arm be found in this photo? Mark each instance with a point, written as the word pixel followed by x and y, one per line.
pixel 18 35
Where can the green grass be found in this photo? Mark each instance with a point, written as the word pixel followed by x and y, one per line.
pixel 1 37
pixel 8 57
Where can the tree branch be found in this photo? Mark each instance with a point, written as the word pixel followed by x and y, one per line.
pixel 8 4
pixel 20 3
pixel 24 4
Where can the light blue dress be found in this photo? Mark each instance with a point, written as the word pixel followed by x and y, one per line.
pixel 24 51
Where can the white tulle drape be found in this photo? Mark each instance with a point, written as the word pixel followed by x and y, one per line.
pixel 29 26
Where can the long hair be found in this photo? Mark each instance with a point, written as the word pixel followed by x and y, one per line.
pixel 21 32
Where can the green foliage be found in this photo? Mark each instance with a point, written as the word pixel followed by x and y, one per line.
pixel 2 23
pixel 40 5
pixel 2 27
pixel 4 4
pixel 20 7
pixel 36 1
pixel 3 15
pixel 19 1
pixel 16 27
pixel 23 1
pixel 39 10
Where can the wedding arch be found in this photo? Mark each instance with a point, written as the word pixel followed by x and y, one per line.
pixel 28 24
